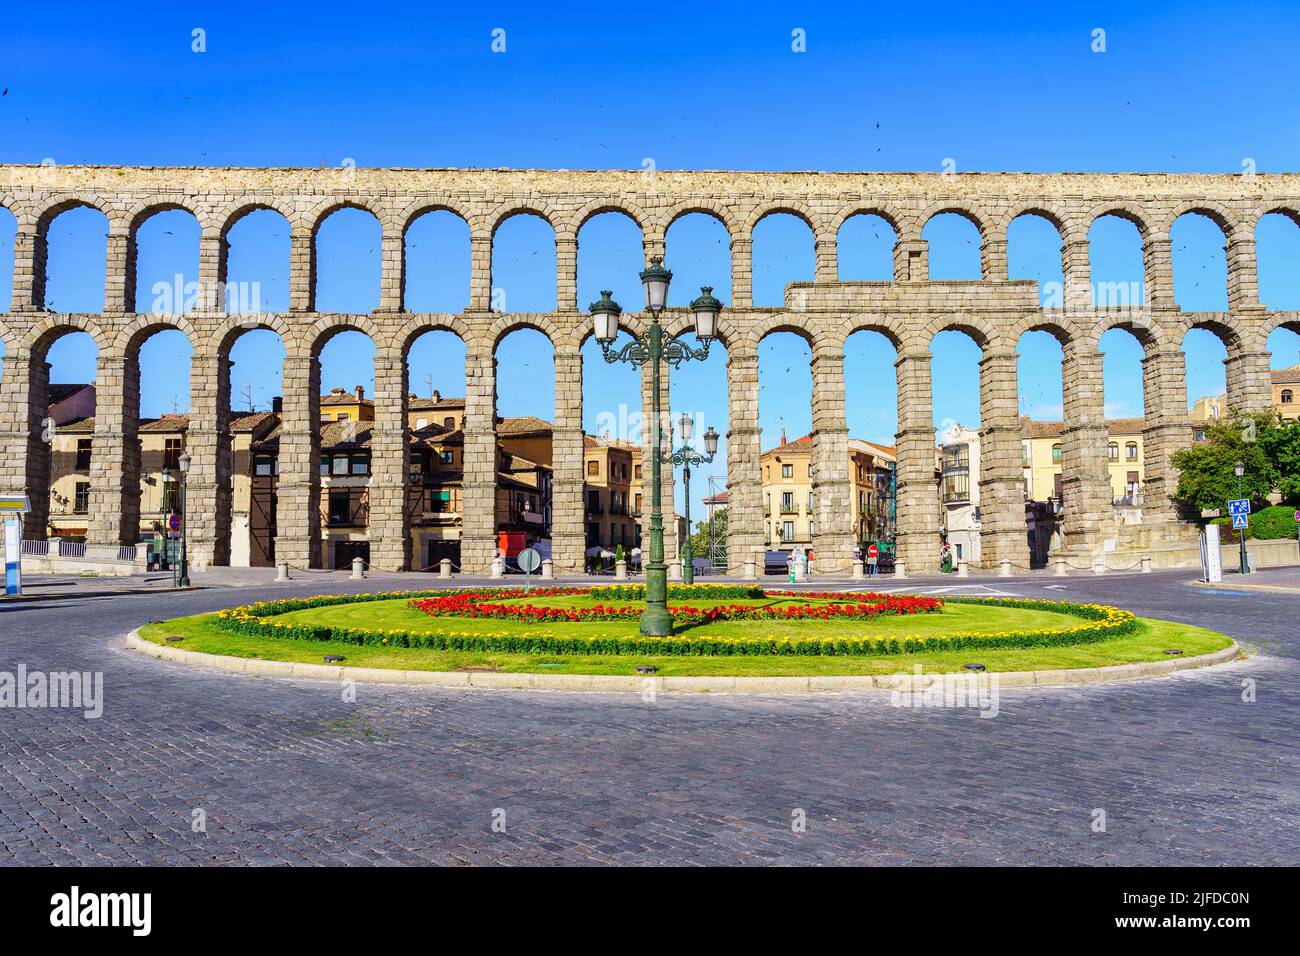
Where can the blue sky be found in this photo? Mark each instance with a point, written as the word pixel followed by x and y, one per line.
pixel 1191 87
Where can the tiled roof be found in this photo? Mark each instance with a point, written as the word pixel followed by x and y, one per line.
pixel 425 404
pixel 799 444
pixel 1029 428
pixel 250 421
pixel 345 435
pixel 78 425
pixel 1286 376
pixel 524 425
pixel 344 398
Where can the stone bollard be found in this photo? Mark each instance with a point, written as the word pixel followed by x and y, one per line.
pixel 674 570
pixel 900 570
pixel 282 571
pixel 620 570
pixel 1059 571
pixel 444 568
pixel 1146 565
pixel 498 569
pixel 1099 566
pixel 962 571
pixel 751 572
pixel 1004 569
pixel 858 573
pixel 548 570
pixel 358 569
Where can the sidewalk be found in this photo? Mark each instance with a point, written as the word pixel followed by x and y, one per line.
pixel 1285 580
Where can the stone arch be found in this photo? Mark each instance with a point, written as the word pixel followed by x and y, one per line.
pixel 319 333
pixel 801 325
pixel 573 225
pixel 401 340
pixel 1226 219
pixel 708 207
pixel 799 210
pixel 982 332
pixel 1231 338
pixel 896 218
pixel 968 211
pixel 56 206
pixel 8 338
pixel 1127 211
pixel 1250 222
pixel 893 329
pixel 131 336
pixel 422 207
pixel 221 340
pixel 505 211
pixel 1035 207
pixel 46 331
pixel 1280 320
pixel 316 217
pixel 1147 331
pixel 1058 327
pixel 235 213
pixel 513 321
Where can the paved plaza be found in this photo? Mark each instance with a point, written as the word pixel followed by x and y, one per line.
pixel 286 771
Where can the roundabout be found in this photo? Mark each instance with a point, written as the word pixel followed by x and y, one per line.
pixel 720 631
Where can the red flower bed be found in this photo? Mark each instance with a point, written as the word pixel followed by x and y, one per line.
pixel 485 604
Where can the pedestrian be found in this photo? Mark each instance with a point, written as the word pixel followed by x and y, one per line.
pixel 873 562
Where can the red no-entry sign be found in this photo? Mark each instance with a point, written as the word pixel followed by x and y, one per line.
pixel 873 551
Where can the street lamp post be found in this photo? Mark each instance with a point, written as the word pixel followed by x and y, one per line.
pixel 655 348
pixel 1240 470
pixel 184 464
pixel 687 456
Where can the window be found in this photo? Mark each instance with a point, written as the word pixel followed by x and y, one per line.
pixel 343 416
pixel 810 470
pixel 787 530
pixel 172 453
pixel 637 499
pixel 1112 451
pixel 787 502
pixel 340 466
pixel 448 457
pixel 449 422
pixel 956 487
pixel 360 465
pixel 263 465
pixel 956 456
pixel 171 497
pixel 593 468
pixel 593 502
pixel 1131 451
pixel 810 504
pixel 1287 396
pixel 340 507
pixel 787 471
pixel 1024 454
pixel 82 503
pixel 421 423
pixel 83 454
pixel 1056 454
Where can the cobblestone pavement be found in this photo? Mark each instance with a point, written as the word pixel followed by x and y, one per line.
pixel 287 772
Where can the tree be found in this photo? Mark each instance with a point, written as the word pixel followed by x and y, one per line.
pixel 1208 480
pixel 700 539
pixel 1281 442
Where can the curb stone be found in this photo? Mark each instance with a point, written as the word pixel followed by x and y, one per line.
pixel 618 683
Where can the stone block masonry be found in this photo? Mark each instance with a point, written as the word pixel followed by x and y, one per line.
pixel 910 311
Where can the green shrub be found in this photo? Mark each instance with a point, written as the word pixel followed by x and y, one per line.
pixel 1266 524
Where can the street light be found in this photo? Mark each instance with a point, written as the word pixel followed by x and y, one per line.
pixel 184 464
pixel 655 348
pixel 1240 470
pixel 687 456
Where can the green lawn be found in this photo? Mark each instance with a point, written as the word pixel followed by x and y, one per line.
pixel 201 634
pixel 395 615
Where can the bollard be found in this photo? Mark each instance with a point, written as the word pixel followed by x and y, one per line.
pixel 1146 565
pixel 282 571
pixel 1099 566
pixel 620 570
pixel 1004 571
pixel 900 571
pixel 444 568
pixel 548 570
pixel 751 572
pixel 498 569
pixel 674 571
pixel 858 573
pixel 1060 568
pixel 358 569
pixel 962 571
pixel 798 571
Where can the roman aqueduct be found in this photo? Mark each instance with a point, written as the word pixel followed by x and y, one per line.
pixel 909 311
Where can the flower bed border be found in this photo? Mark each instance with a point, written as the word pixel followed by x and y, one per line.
pixel 479 605
pixel 1100 622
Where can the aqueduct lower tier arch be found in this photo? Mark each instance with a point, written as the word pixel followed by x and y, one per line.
pixel 910 310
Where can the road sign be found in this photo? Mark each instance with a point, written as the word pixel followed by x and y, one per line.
pixel 1239 506
pixel 174 523
pixel 1240 521
pixel 1296 516
pixel 529 560
pixel 873 551
pixel 14 504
